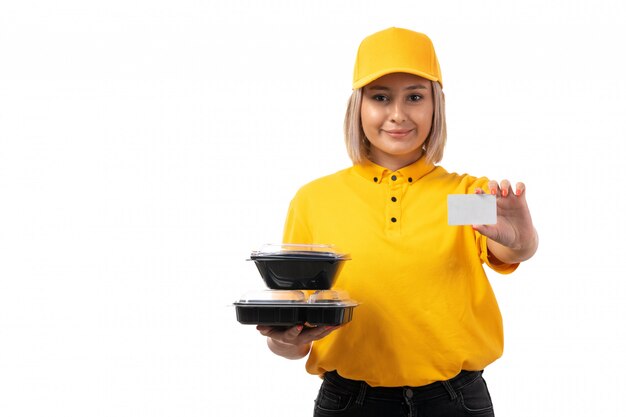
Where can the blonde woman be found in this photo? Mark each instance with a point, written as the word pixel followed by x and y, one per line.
pixel 429 322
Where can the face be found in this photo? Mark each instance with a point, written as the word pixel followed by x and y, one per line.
pixel 396 114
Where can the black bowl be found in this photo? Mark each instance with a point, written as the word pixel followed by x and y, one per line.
pixel 291 315
pixel 287 308
pixel 299 270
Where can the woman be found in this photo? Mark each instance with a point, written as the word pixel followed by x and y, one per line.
pixel 429 322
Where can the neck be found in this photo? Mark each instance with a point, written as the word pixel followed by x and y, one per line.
pixel 394 162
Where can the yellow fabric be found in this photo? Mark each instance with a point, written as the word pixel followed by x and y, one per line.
pixel 395 50
pixel 427 309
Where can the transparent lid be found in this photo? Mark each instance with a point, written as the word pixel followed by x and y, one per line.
pixel 329 296
pixel 298 249
pixel 273 296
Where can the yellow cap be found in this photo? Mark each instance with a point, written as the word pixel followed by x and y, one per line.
pixel 395 50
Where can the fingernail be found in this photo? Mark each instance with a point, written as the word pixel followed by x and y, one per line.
pixel 493 191
pixel 518 192
pixel 299 327
pixel 505 192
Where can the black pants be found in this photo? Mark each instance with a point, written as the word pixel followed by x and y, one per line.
pixel 464 395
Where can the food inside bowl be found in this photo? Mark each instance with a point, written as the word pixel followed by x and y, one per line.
pixel 289 308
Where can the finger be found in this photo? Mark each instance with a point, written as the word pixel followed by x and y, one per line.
pixel 505 188
pixel 318 332
pixel 520 188
pixel 321 335
pixel 493 187
pixel 291 335
pixel 271 331
pixel 313 331
pixel 328 330
pixel 480 228
pixel 264 330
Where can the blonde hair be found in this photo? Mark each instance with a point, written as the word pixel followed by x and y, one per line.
pixel 358 145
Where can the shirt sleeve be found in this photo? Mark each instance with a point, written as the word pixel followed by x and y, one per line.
pixel 483 253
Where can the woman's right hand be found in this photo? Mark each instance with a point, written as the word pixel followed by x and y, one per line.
pixel 293 342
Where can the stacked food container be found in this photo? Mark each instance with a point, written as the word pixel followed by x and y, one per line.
pixel 300 278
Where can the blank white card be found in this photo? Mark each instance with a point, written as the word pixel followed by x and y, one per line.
pixel 468 209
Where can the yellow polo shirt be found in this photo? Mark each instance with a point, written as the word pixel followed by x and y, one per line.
pixel 427 309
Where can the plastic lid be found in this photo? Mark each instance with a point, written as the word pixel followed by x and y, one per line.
pixel 273 296
pixel 329 296
pixel 298 249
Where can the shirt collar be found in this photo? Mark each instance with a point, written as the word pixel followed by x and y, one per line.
pixel 412 173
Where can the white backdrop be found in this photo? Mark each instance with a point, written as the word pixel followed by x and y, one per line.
pixel 146 147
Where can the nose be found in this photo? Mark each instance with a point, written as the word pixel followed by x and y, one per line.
pixel 397 113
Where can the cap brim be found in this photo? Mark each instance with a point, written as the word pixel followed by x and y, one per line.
pixel 372 77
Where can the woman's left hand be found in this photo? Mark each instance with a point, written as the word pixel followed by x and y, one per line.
pixel 513 238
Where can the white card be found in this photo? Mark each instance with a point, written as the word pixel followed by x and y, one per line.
pixel 468 209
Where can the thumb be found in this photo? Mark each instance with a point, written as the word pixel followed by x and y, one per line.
pixel 484 230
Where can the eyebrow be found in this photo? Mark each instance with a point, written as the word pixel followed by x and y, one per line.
pixel 410 87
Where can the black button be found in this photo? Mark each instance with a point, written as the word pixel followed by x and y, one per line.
pixel 410 179
pixel 393 220
pixel 394 199
pixel 375 179
pixel 393 178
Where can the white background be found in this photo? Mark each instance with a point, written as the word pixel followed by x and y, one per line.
pixel 146 147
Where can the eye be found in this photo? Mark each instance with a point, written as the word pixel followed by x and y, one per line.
pixel 380 97
pixel 414 97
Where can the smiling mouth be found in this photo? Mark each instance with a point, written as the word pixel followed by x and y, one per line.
pixel 398 133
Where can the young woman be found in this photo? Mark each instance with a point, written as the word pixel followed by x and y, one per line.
pixel 429 322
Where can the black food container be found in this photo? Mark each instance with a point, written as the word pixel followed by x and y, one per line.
pixel 290 308
pixel 299 266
